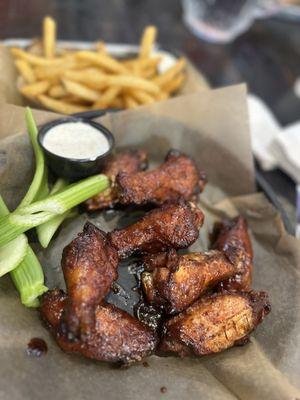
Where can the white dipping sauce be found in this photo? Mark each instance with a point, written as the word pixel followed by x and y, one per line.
pixel 77 140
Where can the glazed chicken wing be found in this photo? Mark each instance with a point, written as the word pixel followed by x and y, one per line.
pixel 89 265
pixel 178 177
pixel 170 226
pixel 215 323
pixel 127 161
pixel 179 280
pixel 115 337
pixel 233 237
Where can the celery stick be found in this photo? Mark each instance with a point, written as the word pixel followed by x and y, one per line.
pixel 27 273
pixel 37 213
pixel 12 253
pixel 28 278
pixel 39 175
pixel 46 231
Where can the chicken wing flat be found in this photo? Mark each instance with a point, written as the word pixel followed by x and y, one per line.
pixel 179 280
pixel 170 226
pixel 116 336
pixel 233 237
pixel 215 323
pixel 178 177
pixel 127 161
pixel 89 265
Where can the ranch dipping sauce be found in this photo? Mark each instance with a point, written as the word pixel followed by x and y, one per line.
pixel 76 140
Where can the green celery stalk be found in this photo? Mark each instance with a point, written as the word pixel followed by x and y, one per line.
pixel 40 176
pixel 39 212
pixel 27 273
pixel 28 278
pixel 12 253
pixel 46 231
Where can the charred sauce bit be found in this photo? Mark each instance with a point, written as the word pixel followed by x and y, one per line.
pixel 163 389
pixel 37 347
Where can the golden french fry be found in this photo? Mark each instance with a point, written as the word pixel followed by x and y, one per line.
pixel 148 73
pixel 60 106
pixel 83 92
pixel 36 60
pixel 117 103
pixel 100 47
pixel 133 82
pixel 129 102
pixel 35 89
pixel 141 97
pixel 49 37
pixel 162 96
pixel 168 75
pixel 25 70
pixel 35 47
pixel 103 60
pixel 57 92
pixel 90 77
pixel 147 41
pixel 107 97
pixel 175 84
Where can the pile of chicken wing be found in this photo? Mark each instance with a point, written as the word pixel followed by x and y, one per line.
pixel 205 298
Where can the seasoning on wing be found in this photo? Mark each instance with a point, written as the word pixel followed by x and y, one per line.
pixel 178 280
pixel 115 337
pixel 178 177
pixel 232 238
pixel 170 226
pixel 89 265
pixel 215 323
pixel 126 161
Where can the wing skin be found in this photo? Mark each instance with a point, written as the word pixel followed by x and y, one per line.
pixel 215 323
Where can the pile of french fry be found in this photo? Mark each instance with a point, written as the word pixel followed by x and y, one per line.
pixel 69 81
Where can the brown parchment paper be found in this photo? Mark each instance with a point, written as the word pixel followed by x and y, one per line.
pixel 211 126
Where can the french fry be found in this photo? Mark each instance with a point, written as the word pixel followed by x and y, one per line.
pixel 36 60
pixel 81 91
pixel 60 106
pixel 25 70
pixel 49 37
pixel 147 42
pixel 117 103
pixel 107 97
pixel 35 89
pixel 141 97
pixel 57 92
pixel 90 77
pixel 100 47
pixel 162 96
pixel 174 85
pixel 103 60
pixel 133 82
pixel 36 47
pixel 168 75
pixel 130 102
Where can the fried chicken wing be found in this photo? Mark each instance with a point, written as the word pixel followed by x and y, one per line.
pixel 179 280
pixel 89 265
pixel 178 177
pixel 215 323
pixel 115 337
pixel 126 161
pixel 233 237
pixel 170 226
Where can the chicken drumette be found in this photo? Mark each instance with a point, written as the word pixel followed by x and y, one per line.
pixel 177 178
pixel 214 323
pixel 89 265
pixel 170 226
pixel 115 335
pixel 176 281
pixel 126 161
pixel 233 238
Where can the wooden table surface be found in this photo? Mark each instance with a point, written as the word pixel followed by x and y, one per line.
pixel 266 57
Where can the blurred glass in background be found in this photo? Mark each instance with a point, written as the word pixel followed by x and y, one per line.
pixel 221 21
